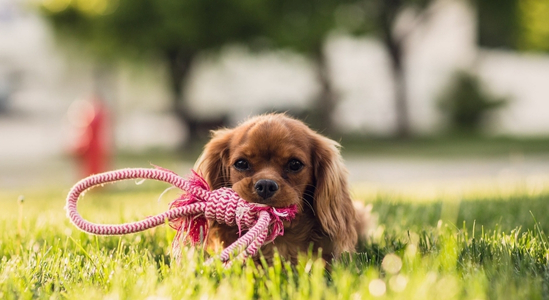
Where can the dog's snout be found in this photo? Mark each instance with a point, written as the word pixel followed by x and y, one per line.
pixel 266 188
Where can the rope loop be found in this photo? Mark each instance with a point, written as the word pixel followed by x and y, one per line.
pixel 189 213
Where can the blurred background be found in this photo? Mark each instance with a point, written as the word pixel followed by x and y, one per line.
pixel 420 93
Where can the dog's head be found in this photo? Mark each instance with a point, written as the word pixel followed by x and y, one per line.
pixel 276 160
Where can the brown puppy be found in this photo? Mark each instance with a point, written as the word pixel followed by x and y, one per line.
pixel 276 160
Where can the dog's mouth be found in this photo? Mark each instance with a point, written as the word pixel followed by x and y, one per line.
pixel 284 197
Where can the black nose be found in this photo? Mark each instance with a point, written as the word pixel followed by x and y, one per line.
pixel 266 188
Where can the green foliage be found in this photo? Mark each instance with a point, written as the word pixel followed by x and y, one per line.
pixel 513 24
pixel 161 26
pixel 193 26
pixel 466 103
pixel 534 24
pixel 498 23
pixel 379 13
pixel 303 25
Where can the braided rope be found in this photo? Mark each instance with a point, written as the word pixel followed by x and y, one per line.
pixel 222 205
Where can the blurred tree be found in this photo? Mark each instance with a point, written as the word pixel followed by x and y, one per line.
pixel 534 25
pixel 498 23
pixel 303 26
pixel 383 16
pixel 174 30
pixel 179 30
pixel 466 103
pixel 513 24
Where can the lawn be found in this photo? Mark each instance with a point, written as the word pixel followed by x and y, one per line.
pixel 447 146
pixel 484 246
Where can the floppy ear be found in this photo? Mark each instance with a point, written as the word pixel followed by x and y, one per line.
pixel 332 202
pixel 213 162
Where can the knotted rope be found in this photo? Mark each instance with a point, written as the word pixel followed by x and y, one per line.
pixel 189 214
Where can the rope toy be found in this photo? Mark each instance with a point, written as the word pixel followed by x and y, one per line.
pixel 190 212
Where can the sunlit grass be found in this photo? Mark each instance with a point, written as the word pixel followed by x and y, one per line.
pixel 478 246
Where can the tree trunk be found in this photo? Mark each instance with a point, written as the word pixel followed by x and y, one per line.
pixel 326 102
pixel 401 96
pixel 389 11
pixel 179 63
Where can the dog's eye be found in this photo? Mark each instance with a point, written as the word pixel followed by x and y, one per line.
pixel 295 165
pixel 242 165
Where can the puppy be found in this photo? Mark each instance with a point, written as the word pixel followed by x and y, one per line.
pixel 276 160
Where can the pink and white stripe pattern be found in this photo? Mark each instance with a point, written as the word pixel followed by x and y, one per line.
pixel 222 205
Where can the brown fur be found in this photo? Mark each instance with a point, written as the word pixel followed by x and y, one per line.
pixel 326 219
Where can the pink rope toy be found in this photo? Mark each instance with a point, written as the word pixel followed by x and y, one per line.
pixel 189 213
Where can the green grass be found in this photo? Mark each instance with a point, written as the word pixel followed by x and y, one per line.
pixel 446 146
pixel 485 247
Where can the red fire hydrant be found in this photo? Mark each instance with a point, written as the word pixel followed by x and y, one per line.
pixel 91 145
